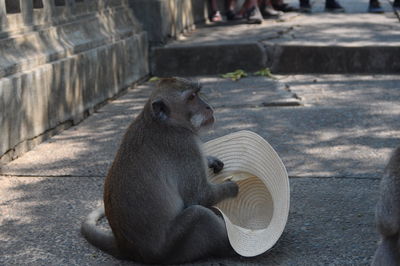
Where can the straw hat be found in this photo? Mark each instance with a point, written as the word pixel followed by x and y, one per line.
pixel 255 219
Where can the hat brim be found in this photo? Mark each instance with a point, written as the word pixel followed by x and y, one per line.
pixel 256 218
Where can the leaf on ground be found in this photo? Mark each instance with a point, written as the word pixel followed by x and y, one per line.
pixel 265 72
pixel 236 75
pixel 154 79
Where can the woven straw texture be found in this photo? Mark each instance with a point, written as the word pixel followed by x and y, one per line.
pixel 256 218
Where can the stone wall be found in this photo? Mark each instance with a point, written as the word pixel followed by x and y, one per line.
pixel 61 58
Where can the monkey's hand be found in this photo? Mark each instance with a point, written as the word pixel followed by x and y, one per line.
pixel 219 192
pixel 228 189
pixel 232 188
pixel 215 164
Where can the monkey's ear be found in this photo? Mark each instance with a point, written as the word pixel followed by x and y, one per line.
pixel 160 110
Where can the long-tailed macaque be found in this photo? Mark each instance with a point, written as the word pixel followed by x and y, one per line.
pixel 157 197
pixel 388 215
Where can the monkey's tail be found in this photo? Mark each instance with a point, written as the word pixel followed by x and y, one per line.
pixel 99 238
pixel 387 253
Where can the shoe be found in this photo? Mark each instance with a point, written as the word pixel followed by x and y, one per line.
pixel 270 13
pixel 396 5
pixel 285 8
pixel 216 17
pixel 231 15
pixel 375 7
pixel 334 7
pixel 253 15
pixel 305 8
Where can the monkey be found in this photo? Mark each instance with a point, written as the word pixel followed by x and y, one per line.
pixel 157 198
pixel 388 214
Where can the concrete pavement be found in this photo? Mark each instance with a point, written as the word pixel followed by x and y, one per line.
pixel 334 145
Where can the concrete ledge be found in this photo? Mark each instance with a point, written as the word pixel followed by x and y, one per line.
pixel 207 59
pixel 333 59
pixel 210 59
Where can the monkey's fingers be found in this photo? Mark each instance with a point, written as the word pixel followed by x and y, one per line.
pixel 215 164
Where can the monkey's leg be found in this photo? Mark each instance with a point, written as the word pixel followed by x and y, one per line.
pixel 197 232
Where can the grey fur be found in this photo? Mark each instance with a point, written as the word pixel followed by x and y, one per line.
pixel 105 240
pixel 157 197
pixel 388 215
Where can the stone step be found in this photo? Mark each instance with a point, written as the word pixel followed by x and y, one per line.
pixel 298 43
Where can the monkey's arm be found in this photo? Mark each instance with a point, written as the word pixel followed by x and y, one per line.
pixel 215 164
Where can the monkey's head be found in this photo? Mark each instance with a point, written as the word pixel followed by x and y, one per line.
pixel 177 102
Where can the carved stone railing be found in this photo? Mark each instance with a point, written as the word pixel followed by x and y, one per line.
pixel 58 60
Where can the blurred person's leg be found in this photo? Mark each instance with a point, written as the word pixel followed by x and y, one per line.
pixel 333 6
pixel 251 12
pixel 215 14
pixel 375 7
pixel 305 6
pixel 231 13
pixel 280 5
pixel 267 10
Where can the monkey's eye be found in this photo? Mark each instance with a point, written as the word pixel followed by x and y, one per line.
pixel 192 96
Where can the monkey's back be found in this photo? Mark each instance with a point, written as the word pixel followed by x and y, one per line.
pixel 145 177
